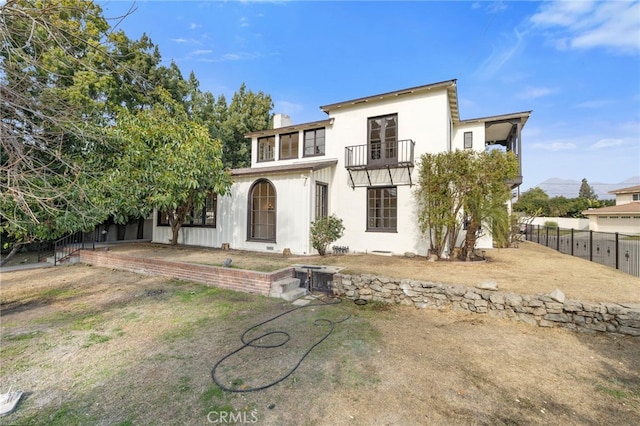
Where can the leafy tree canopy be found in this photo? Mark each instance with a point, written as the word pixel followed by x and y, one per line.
pixel 66 77
pixel 457 183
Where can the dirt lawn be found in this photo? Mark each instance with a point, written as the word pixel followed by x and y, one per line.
pixel 96 346
pixel 528 269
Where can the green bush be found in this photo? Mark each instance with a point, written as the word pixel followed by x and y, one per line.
pixel 324 231
pixel 551 224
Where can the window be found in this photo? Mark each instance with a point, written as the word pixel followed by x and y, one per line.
pixel 382 209
pixel 202 217
pixel 636 197
pixel 266 148
pixel 163 219
pixel 313 142
pixel 289 146
pixel 262 212
pixel 383 139
pixel 468 140
pixel 322 204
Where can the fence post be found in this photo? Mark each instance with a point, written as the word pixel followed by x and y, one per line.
pixel 538 234
pixel 546 238
pixel 558 238
pixel 571 241
pixel 591 246
pixel 617 252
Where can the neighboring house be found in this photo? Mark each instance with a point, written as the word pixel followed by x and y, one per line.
pixel 359 164
pixel 624 217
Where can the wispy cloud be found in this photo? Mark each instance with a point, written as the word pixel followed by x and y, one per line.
pixel 235 56
pixel 606 143
pixel 194 26
pixel 179 40
pixel 555 146
pixel 535 92
pixel 612 25
pixel 594 104
pixel 501 54
pixel 496 6
pixel 244 22
pixel 202 52
pixel 286 107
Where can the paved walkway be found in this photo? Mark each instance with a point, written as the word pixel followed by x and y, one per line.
pixel 26 266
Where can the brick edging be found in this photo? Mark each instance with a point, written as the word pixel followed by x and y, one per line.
pixel 232 279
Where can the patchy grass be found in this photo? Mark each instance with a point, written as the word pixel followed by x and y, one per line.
pixel 126 349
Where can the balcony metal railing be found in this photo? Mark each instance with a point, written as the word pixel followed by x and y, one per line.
pixel 387 154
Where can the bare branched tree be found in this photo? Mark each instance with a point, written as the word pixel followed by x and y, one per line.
pixel 54 68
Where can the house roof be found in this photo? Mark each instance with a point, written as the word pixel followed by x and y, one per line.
pixel 628 190
pixel 628 208
pixel 498 127
pixel 293 128
pixel 296 167
pixel 450 85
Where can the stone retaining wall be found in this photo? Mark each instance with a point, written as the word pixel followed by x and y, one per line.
pixel 229 278
pixel 544 310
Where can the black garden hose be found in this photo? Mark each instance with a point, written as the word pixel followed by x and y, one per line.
pixel 251 343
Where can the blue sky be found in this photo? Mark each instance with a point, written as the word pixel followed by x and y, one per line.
pixel 576 64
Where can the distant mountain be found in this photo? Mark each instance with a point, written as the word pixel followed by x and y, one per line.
pixel 556 187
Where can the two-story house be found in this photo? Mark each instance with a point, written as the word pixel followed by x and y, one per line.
pixel 624 217
pixel 359 164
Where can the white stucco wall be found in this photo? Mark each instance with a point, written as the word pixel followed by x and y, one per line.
pixel 623 224
pixel 563 222
pixel 423 118
pixel 624 198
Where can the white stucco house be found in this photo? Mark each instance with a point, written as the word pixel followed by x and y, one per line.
pixel 359 164
pixel 623 218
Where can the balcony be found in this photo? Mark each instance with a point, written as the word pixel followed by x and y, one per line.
pixel 379 156
pixel 378 163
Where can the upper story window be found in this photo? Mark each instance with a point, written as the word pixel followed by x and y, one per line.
pixel 266 148
pixel 468 140
pixel 289 146
pixel 636 197
pixel 383 139
pixel 313 142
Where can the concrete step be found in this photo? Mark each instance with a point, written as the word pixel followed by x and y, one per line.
pixel 68 261
pixel 283 286
pixel 294 294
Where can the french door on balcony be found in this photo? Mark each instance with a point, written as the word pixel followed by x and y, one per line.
pixel 383 139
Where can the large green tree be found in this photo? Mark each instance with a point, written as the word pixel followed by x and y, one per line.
pixel 486 194
pixel 247 112
pixel 440 198
pixel 462 188
pixel 586 191
pixel 168 160
pixel 53 64
pixel 533 201
pixel 67 80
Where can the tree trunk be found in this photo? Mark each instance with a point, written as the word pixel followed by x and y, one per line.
pixel 13 251
pixel 470 240
pixel 121 231
pixel 175 231
pixel 140 234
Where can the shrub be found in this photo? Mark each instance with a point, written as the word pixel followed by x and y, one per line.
pixel 324 231
pixel 551 224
